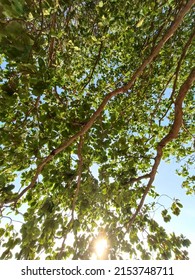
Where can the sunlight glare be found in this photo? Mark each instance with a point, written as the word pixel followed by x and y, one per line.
pixel 100 247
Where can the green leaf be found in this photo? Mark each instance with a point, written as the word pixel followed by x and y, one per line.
pixel 167 218
pixel 186 242
pixel 101 4
pixel 13 28
pixel 139 24
pixel 2 231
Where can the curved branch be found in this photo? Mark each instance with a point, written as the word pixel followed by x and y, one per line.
pixel 185 49
pixel 174 26
pixel 178 20
pixel 173 133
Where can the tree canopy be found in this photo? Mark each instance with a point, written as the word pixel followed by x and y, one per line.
pixel 93 83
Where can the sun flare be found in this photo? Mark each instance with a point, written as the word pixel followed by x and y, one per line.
pixel 100 247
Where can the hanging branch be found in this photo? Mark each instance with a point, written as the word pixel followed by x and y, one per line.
pixel 68 227
pixel 173 133
pixel 174 26
pixel 80 167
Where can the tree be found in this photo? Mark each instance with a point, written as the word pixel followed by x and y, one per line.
pixel 93 82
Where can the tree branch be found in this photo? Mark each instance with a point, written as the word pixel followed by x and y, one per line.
pixel 159 100
pixel 173 133
pixel 93 70
pixel 174 26
pixel 133 180
pixel 80 167
pixel 52 43
pixel 59 98
pixel 68 227
pixel 178 20
pixel 185 48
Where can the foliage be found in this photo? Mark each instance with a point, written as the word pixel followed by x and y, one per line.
pixel 92 83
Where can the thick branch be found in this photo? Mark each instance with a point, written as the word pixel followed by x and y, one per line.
pixel 173 133
pixel 178 20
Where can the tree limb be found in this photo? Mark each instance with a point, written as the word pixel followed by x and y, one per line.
pixel 185 48
pixel 173 133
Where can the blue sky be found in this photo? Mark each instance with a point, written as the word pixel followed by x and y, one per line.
pixel 169 183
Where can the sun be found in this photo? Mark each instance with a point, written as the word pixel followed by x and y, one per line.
pixel 101 247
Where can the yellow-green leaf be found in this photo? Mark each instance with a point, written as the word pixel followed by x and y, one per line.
pixel 139 24
pixel 101 4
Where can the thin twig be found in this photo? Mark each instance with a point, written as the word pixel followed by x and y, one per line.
pixel 80 167
pixel 52 43
pixel 58 97
pixel 159 100
pixel 187 130
pixel 133 180
pixel 93 70
pixel 11 220
pixel 59 256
